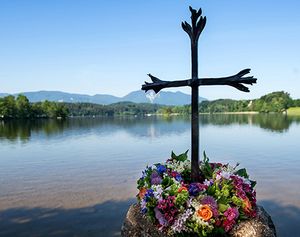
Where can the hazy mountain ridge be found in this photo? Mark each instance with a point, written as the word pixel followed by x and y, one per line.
pixel 164 97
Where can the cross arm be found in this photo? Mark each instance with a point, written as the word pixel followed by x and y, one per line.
pixel 158 84
pixel 238 80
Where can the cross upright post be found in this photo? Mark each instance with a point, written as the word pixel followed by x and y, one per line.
pixel 238 80
pixel 194 34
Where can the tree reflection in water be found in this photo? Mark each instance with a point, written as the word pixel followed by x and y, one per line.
pixel 142 126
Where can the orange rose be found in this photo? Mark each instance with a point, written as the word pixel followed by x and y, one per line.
pixel 142 192
pixel 205 212
pixel 247 205
pixel 182 188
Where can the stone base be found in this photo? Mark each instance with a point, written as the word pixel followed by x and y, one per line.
pixel 136 225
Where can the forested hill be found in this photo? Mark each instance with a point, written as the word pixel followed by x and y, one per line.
pixel 163 98
pixel 116 109
pixel 20 107
pixel 277 102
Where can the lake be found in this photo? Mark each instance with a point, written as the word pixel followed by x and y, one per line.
pixel 78 177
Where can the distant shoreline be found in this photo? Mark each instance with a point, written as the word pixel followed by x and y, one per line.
pixel 238 112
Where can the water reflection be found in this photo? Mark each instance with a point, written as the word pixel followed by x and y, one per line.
pixel 140 127
pixel 63 169
pixel 271 122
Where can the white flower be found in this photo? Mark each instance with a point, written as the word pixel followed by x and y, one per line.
pixel 207 182
pixel 143 204
pixel 246 181
pixel 225 175
pixel 157 191
pixel 179 224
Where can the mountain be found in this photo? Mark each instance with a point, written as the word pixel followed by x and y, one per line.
pixel 164 97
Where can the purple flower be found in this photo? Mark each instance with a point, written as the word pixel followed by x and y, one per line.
pixel 160 217
pixel 167 207
pixel 209 200
pixel 196 188
pixel 155 178
pixel 247 188
pixel 231 213
pixel 241 193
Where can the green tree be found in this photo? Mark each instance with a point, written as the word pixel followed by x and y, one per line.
pixel 8 107
pixel 23 107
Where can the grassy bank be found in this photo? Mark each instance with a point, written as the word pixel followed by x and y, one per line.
pixel 293 111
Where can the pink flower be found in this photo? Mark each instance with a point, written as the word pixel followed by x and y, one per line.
pixel 231 213
pixel 228 225
pixel 168 209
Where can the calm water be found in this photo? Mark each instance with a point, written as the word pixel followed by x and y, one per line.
pixel 77 177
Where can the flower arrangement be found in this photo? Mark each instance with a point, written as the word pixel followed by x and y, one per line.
pixel 180 207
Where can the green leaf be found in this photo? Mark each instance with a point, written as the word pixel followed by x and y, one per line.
pixel 253 183
pixel 242 173
pixel 223 207
pixel 211 190
pixel 206 169
pixel 182 157
pixel 166 182
pixel 205 158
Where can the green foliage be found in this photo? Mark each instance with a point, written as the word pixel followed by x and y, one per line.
pixel 181 198
pixel 117 109
pixel 242 173
pixel 8 107
pixel 21 108
pixel 206 168
pixel 182 157
pixel 273 102
pixel 166 182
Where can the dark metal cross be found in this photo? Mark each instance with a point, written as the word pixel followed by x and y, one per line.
pixel 237 81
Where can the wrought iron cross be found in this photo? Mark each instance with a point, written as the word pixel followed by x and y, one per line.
pixel 237 81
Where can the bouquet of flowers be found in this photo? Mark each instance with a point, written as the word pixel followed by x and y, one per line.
pixel 180 207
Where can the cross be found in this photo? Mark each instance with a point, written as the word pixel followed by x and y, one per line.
pixel 237 81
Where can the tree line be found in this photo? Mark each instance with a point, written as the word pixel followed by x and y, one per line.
pixel 276 102
pixel 20 107
pixel 116 109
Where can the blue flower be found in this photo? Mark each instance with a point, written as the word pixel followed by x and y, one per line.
pixel 178 178
pixel 195 189
pixel 144 210
pixel 149 194
pixel 161 169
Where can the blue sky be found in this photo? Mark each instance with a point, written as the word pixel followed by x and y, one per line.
pixel 108 47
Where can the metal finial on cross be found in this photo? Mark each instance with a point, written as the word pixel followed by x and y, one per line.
pixel 237 81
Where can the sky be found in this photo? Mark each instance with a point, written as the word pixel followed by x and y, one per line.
pixel 108 47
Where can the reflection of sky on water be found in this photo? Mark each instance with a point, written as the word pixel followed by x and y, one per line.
pixel 84 162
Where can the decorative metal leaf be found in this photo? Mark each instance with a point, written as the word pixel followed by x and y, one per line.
pixel 154 79
pixel 187 28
